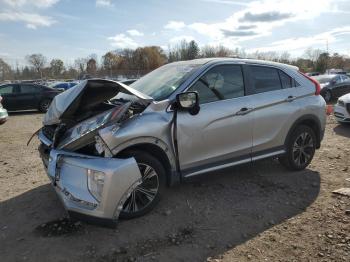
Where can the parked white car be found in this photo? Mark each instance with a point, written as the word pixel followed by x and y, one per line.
pixel 342 109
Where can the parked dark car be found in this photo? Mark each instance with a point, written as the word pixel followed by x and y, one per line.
pixel 23 96
pixel 62 85
pixel 333 86
pixel 313 74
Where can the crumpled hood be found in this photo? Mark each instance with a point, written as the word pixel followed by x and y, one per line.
pixel 85 96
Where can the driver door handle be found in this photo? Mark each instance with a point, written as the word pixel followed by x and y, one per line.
pixel 290 98
pixel 244 111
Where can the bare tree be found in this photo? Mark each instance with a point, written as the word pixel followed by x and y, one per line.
pixel 38 61
pixel 80 64
pixel 5 70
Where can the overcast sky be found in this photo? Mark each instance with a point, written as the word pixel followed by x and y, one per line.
pixel 69 29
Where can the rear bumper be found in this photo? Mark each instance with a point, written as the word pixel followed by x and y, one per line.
pixel 68 174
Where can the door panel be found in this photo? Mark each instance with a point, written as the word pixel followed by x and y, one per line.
pixel 216 135
pixel 276 105
pixel 220 133
pixel 29 96
pixel 9 95
pixel 272 114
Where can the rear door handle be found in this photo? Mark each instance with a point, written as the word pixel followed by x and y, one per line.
pixel 290 98
pixel 244 111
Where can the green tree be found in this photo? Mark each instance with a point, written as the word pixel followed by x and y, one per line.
pixel 57 67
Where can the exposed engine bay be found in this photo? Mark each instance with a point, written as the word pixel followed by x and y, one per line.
pixel 75 117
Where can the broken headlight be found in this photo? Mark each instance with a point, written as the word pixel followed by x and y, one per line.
pixel 99 145
pixel 95 181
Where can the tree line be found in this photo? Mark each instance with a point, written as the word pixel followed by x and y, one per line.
pixel 133 63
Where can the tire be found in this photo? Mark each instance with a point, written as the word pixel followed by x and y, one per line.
pixel 44 105
pixel 301 147
pixel 145 161
pixel 327 96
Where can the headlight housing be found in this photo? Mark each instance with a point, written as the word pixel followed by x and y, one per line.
pixel 95 181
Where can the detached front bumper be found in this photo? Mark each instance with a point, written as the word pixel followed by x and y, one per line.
pixel 68 173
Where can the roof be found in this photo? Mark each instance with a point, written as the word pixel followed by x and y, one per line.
pixel 237 60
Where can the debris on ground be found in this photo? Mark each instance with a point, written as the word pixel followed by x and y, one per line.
pixel 345 191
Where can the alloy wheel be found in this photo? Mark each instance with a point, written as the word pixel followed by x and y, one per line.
pixel 303 149
pixel 145 193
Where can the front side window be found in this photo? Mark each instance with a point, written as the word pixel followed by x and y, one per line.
pixel 28 89
pixel 8 89
pixel 265 79
pixel 219 83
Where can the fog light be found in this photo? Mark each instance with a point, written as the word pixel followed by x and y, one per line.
pixel 96 180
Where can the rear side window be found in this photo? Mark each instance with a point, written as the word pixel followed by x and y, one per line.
pixel 265 79
pixel 7 90
pixel 286 80
pixel 28 89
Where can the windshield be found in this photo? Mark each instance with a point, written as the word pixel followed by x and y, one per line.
pixel 162 82
pixel 323 79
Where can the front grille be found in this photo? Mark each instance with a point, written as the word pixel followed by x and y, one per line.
pixel 348 107
pixel 49 131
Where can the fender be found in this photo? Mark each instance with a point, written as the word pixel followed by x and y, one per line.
pixel 306 120
pixel 174 175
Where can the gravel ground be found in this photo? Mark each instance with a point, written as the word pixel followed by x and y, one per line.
pixel 257 212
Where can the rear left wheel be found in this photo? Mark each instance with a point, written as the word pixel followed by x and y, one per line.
pixel 301 147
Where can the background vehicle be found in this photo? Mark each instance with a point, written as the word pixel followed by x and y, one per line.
pixel 342 109
pixel 3 113
pixel 181 120
pixel 313 74
pixel 23 96
pixel 333 86
pixel 128 81
pixel 62 85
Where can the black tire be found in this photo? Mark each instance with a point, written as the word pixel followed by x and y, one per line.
pixel 328 96
pixel 144 159
pixel 299 151
pixel 44 105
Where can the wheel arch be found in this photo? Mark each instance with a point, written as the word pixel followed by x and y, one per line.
pixel 308 120
pixel 159 151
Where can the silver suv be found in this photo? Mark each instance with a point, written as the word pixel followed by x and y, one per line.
pixel 111 149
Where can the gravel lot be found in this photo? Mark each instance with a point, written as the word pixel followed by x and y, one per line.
pixel 257 212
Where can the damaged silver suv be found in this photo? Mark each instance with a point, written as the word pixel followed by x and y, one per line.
pixel 110 149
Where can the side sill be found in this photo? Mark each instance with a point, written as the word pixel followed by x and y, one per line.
pixel 235 163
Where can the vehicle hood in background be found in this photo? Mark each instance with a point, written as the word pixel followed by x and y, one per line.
pixel 86 96
pixel 345 98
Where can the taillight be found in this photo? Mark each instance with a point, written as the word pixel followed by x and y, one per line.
pixel 317 84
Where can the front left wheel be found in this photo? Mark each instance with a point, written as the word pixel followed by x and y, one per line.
pixel 146 195
pixel 44 105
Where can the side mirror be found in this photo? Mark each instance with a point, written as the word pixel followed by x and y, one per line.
pixel 188 101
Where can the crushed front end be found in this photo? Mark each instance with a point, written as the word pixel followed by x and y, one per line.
pixel 91 184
